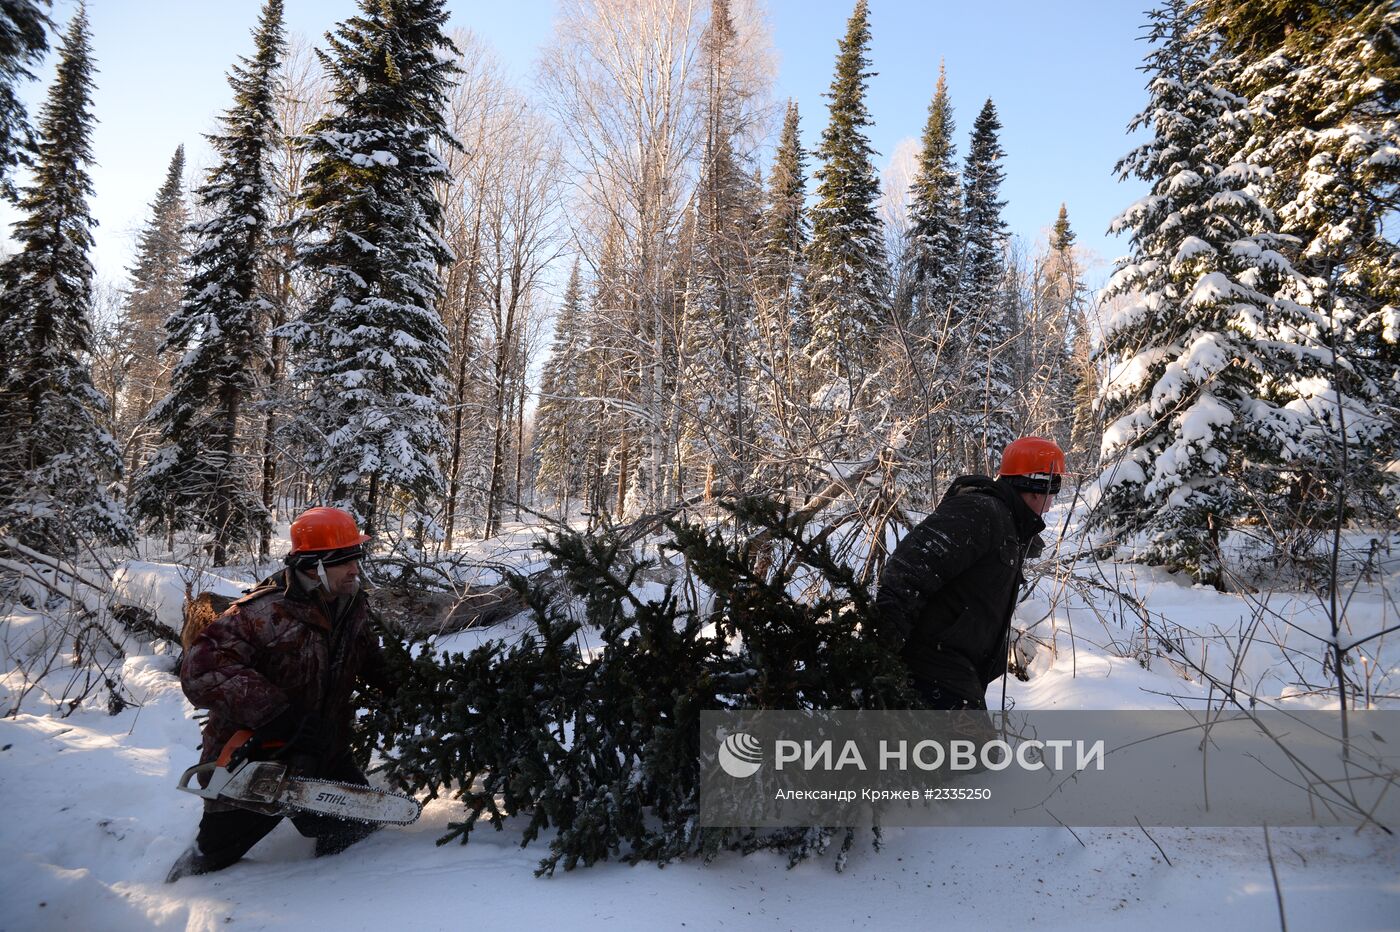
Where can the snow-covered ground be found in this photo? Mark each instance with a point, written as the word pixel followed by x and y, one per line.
pixel 92 819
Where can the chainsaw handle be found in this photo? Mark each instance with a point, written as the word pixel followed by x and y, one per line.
pixel 191 772
pixel 246 741
pixel 234 752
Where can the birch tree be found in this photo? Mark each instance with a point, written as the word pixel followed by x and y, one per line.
pixel 301 97
pixel 619 77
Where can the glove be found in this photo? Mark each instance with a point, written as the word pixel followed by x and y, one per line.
pixel 308 745
pixel 275 731
pixel 299 740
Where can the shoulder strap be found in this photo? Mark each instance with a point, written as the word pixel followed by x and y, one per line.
pixel 273 583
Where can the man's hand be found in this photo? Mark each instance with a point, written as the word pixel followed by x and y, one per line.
pixel 308 746
pixel 299 740
pixel 267 738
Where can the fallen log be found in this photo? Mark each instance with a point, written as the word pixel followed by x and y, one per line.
pixel 419 613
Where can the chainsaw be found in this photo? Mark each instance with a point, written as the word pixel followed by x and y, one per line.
pixel 267 787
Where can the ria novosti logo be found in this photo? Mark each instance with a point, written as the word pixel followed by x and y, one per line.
pixel 740 755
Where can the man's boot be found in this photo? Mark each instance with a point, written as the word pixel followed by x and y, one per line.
pixel 193 861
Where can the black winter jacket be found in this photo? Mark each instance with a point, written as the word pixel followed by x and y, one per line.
pixel 948 590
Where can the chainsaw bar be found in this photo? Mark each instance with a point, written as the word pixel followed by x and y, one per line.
pixel 264 786
pixel 349 801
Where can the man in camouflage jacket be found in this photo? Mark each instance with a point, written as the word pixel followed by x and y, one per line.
pixel 283 661
pixel 948 591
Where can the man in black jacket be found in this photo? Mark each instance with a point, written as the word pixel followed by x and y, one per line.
pixel 948 591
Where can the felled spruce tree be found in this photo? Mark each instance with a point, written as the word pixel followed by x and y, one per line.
pixel 496 715
pixel 605 749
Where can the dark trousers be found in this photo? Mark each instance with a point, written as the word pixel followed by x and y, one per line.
pixel 975 727
pixel 937 698
pixel 226 834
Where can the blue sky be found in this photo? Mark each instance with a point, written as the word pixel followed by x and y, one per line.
pixel 1063 75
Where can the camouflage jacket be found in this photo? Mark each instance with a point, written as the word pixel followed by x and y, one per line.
pixel 282 646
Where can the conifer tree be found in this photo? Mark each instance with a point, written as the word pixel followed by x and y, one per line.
pixel 1078 384
pixel 935 215
pixel 848 275
pixel 1322 83
pixel 982 389
pixel 56 462
pixel 561 422
pixel 203 475
pixel 157 285
pixel 786 228
pixel 984 230
pixel 1048 379
pixel 1086 426
pixel 626 783
pixel 1061 236
pixel 932 259
pixel 371 346
pixel 1196 408
pixel 24 39
pixel 1187 499
pixel 782 378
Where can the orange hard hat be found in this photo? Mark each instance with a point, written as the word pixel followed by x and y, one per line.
pixel 322 529
pixel 1038 462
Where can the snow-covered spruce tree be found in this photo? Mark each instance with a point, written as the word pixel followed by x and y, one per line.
pixel 1194 401
pixel 935 213
pixel 979 420
pixel 152 298
pixel 848 275
pixel 1081 367
pixel 371 349
pixel 1323 88
pixel 561 420
pixel 786 230
pixel 24 39
pixel 1086 422
pixel 626 784
pixel 57 464
pixel 933 257
pixel 203 475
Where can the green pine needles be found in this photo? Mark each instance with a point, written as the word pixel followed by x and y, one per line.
pixel 599 740
pixel 848 278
